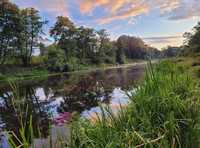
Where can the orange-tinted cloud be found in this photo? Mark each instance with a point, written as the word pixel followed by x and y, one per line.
pixel 163 41
pixel 132 12
pixel 123 9
pixel 86 6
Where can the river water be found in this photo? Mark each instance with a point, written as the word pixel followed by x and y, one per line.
pixel 47 99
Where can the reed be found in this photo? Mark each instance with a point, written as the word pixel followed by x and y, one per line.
pixel 164 113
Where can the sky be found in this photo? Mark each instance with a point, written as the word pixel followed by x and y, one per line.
pixel 158 22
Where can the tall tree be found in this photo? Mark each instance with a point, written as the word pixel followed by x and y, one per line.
pixel 9 15
pixel 63 32
pixel 86 42
pixel 32 28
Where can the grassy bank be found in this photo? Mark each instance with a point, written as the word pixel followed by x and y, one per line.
pixel 190 63
pixel 163 113
pixel 23 75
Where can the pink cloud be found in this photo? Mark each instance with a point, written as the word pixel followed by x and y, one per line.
pixel 86 6
pixel 53 7
pixel 131 12
pixel 123 9
pixel 164 41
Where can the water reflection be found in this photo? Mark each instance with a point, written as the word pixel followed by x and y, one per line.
pixel 15 108
pixel 80 92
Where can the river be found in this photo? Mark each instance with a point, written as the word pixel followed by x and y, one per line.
pixel 47 99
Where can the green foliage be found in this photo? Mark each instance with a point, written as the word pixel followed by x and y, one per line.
pixel 164 112
pixel 56 60
pixel 20 30
pixel 9 18
pixel 23 74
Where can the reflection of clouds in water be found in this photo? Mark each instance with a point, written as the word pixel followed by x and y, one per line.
pixel 41 94
pixel 54 102
pixel 119 98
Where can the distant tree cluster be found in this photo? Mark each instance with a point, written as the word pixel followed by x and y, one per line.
pixel 171 51
pixel 21 31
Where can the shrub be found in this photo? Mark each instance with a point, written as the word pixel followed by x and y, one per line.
pixel 56 60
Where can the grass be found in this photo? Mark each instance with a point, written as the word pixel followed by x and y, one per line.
pixel 190 64
pixel 163 113
pixel 23 75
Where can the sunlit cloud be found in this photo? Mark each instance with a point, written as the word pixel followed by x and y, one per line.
pixel 163 41
pixel 123 9
pixel 187 9
pixel 133 11
pixel 52 7
pixel 86 6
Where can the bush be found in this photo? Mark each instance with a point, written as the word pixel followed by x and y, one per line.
pixel 56 61
pixel 38 60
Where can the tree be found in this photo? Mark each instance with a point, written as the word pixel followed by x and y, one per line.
pixel 107 49
pixel 56 59
pixel 133 47
pixel 193 39
pixel 31 29
pixel 61 28
pixel 171 51
pixel 64 32
pixel 9 17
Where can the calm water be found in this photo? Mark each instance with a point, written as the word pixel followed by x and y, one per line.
pixel 46 99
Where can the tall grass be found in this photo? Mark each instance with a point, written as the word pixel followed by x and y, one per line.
pixel 163 113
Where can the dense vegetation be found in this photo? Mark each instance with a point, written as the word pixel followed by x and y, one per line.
pixel 73 48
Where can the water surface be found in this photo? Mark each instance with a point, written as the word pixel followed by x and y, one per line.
pixel 79 92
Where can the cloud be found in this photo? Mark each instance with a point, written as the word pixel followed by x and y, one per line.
pixel 124 9
pixel 164 41
pixel 132 12
pixel 187 9
pixel 53 7
pixel 86 6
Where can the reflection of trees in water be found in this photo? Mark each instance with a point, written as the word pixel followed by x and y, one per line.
pixel 84 95
pixel 19 106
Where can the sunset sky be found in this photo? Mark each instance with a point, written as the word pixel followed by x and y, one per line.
pixel 158 22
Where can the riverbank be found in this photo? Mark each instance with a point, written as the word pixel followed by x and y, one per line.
pixel 163 112
pixel 191 64
pixel 40 73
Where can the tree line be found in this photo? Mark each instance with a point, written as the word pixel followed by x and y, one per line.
pixel 21 31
